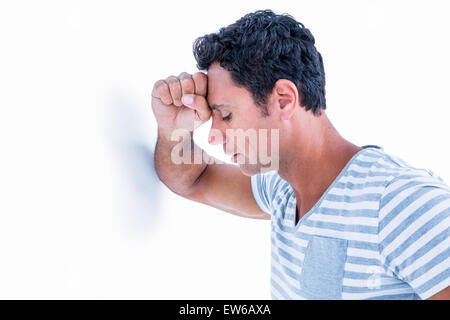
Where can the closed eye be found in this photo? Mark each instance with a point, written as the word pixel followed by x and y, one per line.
pixel 227 118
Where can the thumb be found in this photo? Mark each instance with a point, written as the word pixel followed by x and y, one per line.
pixel 199 104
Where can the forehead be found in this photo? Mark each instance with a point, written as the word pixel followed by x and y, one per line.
pixel 222 89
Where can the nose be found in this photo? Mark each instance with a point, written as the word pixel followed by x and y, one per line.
pixel 215 136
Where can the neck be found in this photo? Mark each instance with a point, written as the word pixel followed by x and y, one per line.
pixel 313 161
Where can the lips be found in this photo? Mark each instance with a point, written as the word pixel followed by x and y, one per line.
pixel 233 155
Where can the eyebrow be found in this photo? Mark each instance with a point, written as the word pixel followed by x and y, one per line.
pixel 217 106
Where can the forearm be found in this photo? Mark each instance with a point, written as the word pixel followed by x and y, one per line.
pixel 179 177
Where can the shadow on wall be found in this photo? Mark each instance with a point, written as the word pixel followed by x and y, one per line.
pixel 131 139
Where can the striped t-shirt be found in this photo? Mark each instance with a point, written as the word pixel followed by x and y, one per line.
pixel 380 231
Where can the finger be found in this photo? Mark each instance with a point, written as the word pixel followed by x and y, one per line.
pixel 201 83
pixel 199 104
pixel 175 90
pixel 161 91
pixel 187 83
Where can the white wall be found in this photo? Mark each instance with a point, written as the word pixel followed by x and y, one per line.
pixel 82 214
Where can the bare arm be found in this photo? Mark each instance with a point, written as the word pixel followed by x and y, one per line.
pixel 177 177
pixel 225 187
pixel 441 295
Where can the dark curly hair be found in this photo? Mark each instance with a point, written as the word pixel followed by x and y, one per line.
pixel 263 47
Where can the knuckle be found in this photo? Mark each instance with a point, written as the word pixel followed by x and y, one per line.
pixel 158 83
pixel 188 87
pixel 184 76
pixel 172 80
pixel 200 80
pixel 159 86
pixel 187 82
pixel 200 76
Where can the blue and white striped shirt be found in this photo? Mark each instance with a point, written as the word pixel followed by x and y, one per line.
pixel 380 231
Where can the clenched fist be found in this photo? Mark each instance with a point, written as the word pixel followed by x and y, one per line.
pixel 180 102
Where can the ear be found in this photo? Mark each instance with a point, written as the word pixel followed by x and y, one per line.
pixel 285 98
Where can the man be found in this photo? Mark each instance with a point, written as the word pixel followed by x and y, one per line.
pixel 347 222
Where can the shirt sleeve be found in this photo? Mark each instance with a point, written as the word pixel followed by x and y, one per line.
pixel 264 189
pixel 414 224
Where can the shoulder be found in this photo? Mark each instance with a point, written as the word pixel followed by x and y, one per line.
pixel 393 172
pixel 402 191
pixel 409 184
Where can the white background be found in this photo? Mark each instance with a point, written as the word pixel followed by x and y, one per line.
pixel 82 214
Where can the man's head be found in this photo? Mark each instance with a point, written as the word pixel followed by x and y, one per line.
pixel 260 70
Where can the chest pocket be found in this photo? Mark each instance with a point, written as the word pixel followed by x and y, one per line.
pixel 323 268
